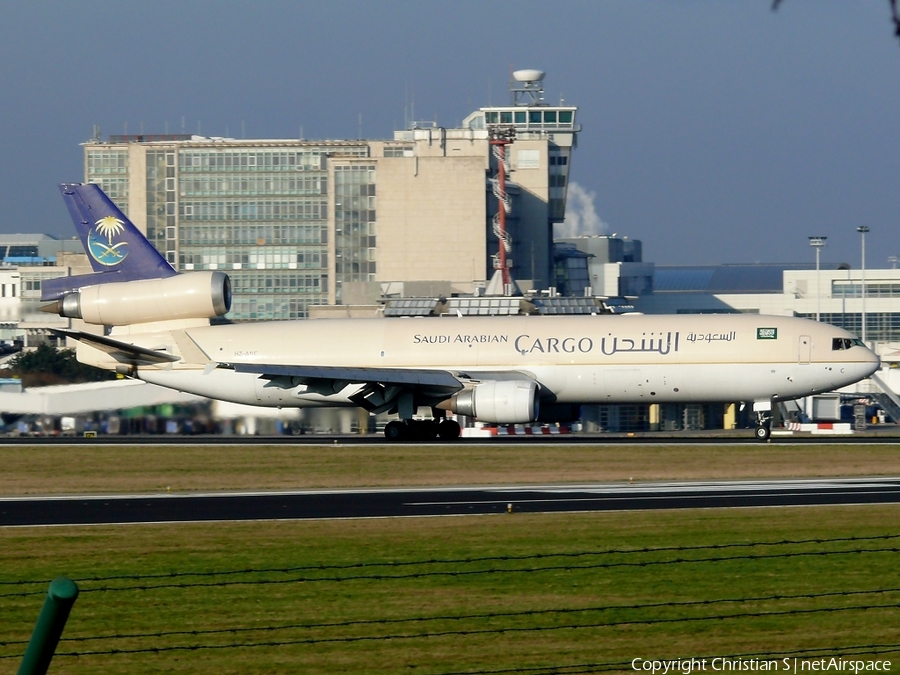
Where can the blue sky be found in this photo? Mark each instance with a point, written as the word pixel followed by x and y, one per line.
pixel 715 131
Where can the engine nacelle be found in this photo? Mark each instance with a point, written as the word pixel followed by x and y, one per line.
pixel 195 295
pixel 499 401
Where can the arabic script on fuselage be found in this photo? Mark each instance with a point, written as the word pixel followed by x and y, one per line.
pixel 711 337
pixel 653 342
pixel 660 343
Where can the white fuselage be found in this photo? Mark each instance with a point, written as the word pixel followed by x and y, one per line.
pixel 575 359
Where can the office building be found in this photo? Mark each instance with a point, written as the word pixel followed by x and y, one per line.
pixel 298 223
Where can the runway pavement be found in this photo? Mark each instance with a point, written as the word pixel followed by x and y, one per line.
pixel 381 503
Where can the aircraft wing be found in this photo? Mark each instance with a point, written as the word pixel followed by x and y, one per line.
pixel 381 390
pixel 408 377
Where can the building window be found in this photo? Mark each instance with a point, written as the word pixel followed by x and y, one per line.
pixel 850 288
pixel 355 214
pixel 557 180
pixel 880 326
pixel 399 151
pixel 528 159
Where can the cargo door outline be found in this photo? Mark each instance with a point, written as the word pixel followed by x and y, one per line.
pixel 804 347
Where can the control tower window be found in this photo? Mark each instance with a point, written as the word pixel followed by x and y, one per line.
pixel 520 116
pixel 505 118
pixel 565 117
pixel 550 116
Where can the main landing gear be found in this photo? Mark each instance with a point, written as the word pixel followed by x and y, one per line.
pixel 421 430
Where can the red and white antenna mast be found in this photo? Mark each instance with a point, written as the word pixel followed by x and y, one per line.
pixel 501 136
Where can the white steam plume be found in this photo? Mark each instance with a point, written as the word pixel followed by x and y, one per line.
pixel 581 216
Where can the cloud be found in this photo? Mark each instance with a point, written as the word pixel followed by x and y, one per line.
pixel 581 216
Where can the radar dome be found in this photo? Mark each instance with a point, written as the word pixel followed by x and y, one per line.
pixel 528 75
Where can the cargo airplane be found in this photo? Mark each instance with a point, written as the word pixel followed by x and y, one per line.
pixel 504 370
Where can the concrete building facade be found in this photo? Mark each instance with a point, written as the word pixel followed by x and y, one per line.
pixel 298 223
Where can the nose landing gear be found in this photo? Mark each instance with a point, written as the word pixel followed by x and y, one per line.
pixel 763 429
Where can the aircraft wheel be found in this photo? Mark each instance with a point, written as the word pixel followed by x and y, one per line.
pixel 428 430
pixel 763 432
pixel 448 430
pixel 395 431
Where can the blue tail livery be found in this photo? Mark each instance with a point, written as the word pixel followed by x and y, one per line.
pixel 115 247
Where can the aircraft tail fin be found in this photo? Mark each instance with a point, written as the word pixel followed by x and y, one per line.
pixel 117 250
pixel 110 239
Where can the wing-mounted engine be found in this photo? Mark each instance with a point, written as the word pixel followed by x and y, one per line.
pixel 499 401
pixel 193 295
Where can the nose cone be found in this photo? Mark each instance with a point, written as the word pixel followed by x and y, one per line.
pixel 873 361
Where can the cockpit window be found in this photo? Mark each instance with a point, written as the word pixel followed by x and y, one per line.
pixel 842 343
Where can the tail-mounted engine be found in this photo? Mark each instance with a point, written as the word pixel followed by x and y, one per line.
pixel 193 295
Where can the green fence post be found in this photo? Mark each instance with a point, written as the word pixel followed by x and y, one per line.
pixel 60 598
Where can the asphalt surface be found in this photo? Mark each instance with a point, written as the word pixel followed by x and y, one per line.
pixel 878 434
pixel 118 509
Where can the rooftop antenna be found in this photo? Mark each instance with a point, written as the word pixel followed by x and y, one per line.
pixel 526 87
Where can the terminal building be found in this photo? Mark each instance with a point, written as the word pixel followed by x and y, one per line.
pixel 298 223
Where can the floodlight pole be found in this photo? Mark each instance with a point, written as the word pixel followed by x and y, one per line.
pixel 817 243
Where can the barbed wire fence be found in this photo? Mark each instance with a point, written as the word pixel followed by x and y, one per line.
pixel 460 626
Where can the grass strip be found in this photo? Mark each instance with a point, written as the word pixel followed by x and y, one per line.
pixel 78 469
pixel 816 590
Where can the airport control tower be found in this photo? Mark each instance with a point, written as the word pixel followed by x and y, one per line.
pixel 532 145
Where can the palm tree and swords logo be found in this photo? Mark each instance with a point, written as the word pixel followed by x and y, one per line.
pixel 106 252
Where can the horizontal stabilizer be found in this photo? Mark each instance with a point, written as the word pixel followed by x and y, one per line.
pixel 58 287
pixel 120 351
pixel 387 376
